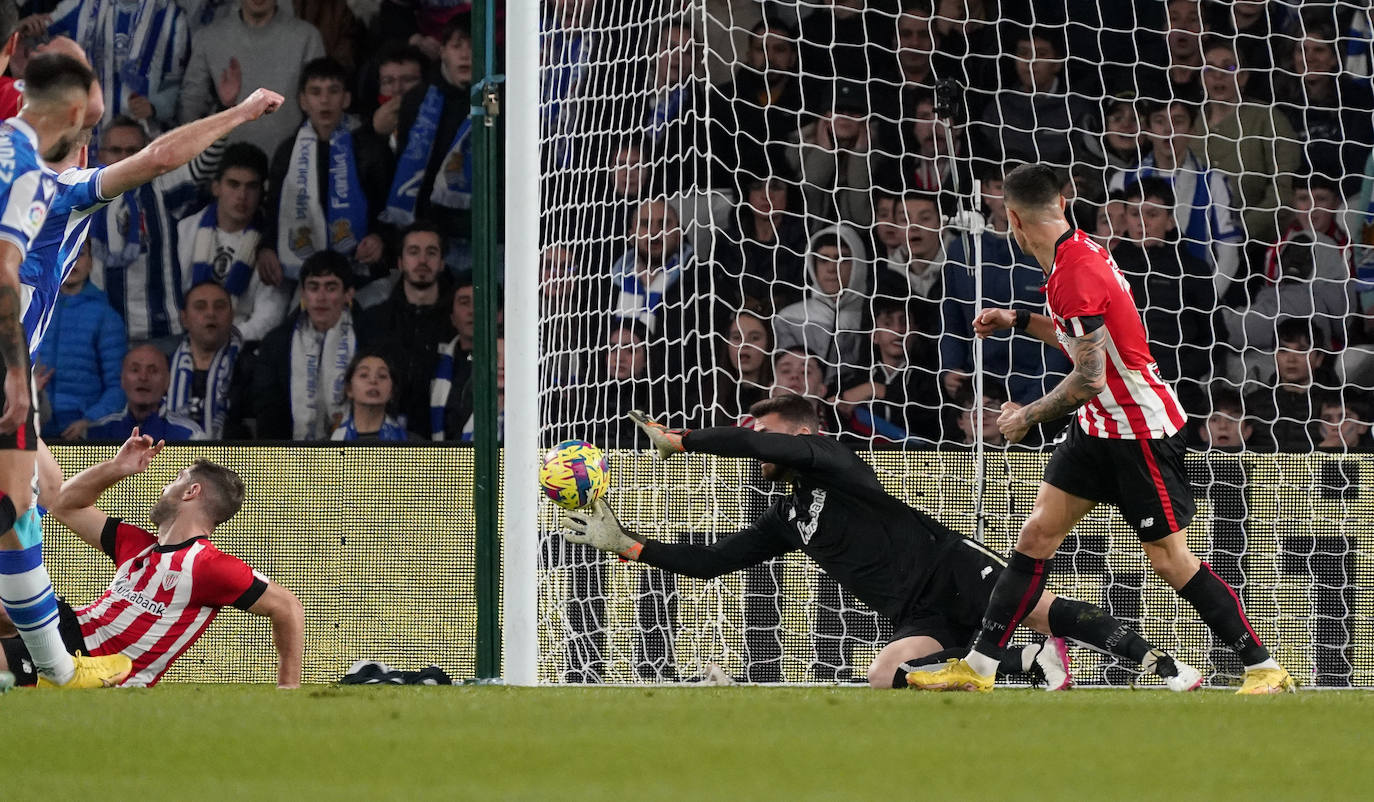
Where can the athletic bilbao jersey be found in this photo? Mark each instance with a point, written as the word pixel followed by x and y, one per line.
pixel 161 598
pixel 55 249
pixel 11 97
pixel 1085 283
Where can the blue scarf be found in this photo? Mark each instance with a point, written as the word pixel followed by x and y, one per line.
pixel 666 112
pixel 236 278
pixel 440 387
pixel 637 300
pixel 302 228
pixel 391 429
pixel 453 184
pixel 125 248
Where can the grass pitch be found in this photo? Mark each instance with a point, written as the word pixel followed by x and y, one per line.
pixel 252 742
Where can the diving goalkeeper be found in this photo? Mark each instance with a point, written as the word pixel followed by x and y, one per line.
pixel 932 583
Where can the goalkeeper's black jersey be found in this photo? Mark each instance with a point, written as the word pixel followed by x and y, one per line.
pixel 876 547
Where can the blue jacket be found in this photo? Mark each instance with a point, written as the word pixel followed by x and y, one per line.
pixel 85 347
pixel 119 425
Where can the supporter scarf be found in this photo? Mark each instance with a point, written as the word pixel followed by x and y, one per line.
pixel 218 380
pixel 638 301
pixel 439 388
pixel 318 364
pixel 236 275
pixel 666 111
pixel 118 247
pixel 391 429
pixel 469 432
pixel 453 184
pixel 306 225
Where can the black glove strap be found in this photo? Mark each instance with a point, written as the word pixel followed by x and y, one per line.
pixel 1022 319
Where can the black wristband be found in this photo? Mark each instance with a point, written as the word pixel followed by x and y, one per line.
pixel 1022 319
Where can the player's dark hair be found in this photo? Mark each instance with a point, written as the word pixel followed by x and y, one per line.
pixel 422 227
pixel 1031 186
pixel 206 282
pixel 244 155
pixel 50 76
pixel 327 263
pixel 323 69
pixel 224 489
pixel 790 407
pixel 9 18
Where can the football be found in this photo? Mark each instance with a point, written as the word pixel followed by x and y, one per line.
pixel 574 474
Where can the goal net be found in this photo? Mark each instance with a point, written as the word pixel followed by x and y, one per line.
pixel 742 198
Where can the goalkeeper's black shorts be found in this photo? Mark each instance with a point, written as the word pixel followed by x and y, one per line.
pixel 950 608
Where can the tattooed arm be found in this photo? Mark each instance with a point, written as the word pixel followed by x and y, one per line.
pixel 1084 382
pixel 14 350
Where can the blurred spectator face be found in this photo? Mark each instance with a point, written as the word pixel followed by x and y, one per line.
pixel 1111 223
pixel 1225 429
pixel 1246 12
pixel 325 298
pixel 748 345
pixel 1337 422
pixel 1167 123
pixel 371 384
pixel 1149 221
pixel 1316 208
pixel 991 434
pixel 1185 31
pixel 464 316
pixel 1296 361
pixel 455 59
pixel 656 231
pixel 771 50
pixel 914 42
pixel 323 101
pixel 422 258
pixel 81 269
pixel 928 130
pixel 793 373
pixel 768 198
pixel 144 377
pixel 847 127
pixel 834 268
pixel 258 9
pixel 1037 65
pixel 891 231
pixel 996 201
pixel 556 272
pixel 208 317
pixel 121 142
pixel 238 192
pixel 890 333
pixel 627 172
pixel 572 13
pixel 1121 129
pixel 1221 75
pixel 923 228
pixel 1315 59
pixel 398 77
pixel 627 357
pixel 675 56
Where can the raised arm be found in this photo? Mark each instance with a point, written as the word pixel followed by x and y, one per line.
pixel 1087 379
pixel 75 503
pixel 793 451
pixel 288 631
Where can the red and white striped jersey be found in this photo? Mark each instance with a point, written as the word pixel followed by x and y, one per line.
pixel 1084 285
pixel 161 598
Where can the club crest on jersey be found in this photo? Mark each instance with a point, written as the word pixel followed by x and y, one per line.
pixel 170 579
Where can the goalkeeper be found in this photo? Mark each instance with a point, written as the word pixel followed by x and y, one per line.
pixel 932 583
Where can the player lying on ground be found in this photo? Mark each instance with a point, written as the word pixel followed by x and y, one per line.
pixel 928 580
pixel 1124 447
pixel 168 586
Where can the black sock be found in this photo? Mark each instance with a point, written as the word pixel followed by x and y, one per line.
pixel 1092 626
pixel 1017 590
pixel 1009 663
pixel 1220 610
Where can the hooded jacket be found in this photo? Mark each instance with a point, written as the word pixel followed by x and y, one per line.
pixel 833 327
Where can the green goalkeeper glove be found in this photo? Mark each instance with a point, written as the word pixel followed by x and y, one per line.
pixel 597 526
pixel 666 442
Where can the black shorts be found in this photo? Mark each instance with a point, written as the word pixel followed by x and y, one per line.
pixel 17 654
pixel 25 438
pixel 1145 479
pixel 951 607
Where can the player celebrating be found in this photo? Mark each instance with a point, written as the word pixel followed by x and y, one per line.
pixel 167 586
pixel 928 580
pixel 1124 448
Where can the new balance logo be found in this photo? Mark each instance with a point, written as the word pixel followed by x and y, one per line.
pixel 984 573
pixel 1147 523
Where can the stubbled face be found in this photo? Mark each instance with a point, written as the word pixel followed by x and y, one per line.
pixel 209 317
pixel 748 345
pixel 169 501
pixel 775 423
pixel 422 258
pixel 371 383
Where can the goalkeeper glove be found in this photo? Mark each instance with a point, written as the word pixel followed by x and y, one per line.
pixel 666 442
pixel 597 526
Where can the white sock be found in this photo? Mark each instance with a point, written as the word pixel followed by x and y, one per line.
pixel 1270 663
pixel 1028 655
pixel 26 592
pixel 981 663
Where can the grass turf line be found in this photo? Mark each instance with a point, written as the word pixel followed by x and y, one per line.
pixel 250 742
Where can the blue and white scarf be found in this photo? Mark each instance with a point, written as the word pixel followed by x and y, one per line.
pixel 666 111
pixel 119 247
pixel 452 185
pixel 218 381
pixel 439 388
pixel 640 302
pixel 319 361
pixel 469 429
pixel 392 429
pixel 306 223
pixel 235 273
pixel 146 27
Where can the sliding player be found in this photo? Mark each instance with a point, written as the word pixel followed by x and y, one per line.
pixel 1124 448
pixel 928 580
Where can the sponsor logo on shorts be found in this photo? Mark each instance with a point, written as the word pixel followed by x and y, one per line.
pixel 1147 523
pixel 983 574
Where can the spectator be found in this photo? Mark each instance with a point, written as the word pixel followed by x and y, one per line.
pixel 966 43
pixel 298 381
pixel 1032 118
pixel 1110 220
pixel 1226 428
pixel 743 373
pixel 414 322
pixel 1328 108
pixel 765 99
pixel 399 69
pixel 895 395
pixel 1182 76
pixel 259 45
pixel 1285 414
pixel 133 239
pixel 830 321
pixel 993 397
pixel 797 372
pixel 460 422
pixel 1345 423
pixel 220 243
pixel 81 355
pixel 765 246
pixel 895 104
pixel 327 186
pixel 846 38
pixel 206 383
pixel 340 31
pixel 1252 144
pixel 138 52
pixel 1113 144
pixel 1256 25
pixel 1011 280
pixel 927 165
pixel 913 271
pixel 453 362
pixel 145 377
pixel 569 41
pixel 1205 210
pixel 369 392
pixel 623 384
pixel 837 161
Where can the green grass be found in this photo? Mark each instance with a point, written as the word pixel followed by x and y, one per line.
pixel 249 742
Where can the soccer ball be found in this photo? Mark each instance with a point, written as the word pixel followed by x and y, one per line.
pixel 574 474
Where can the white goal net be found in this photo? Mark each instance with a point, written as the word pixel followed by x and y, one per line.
pixel 742 198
